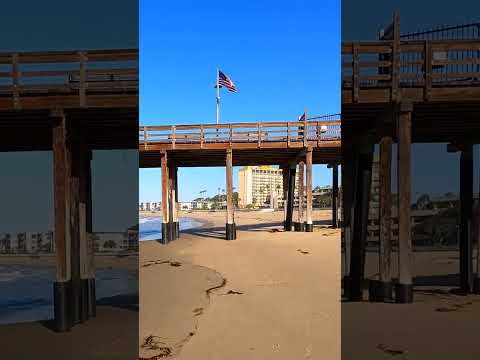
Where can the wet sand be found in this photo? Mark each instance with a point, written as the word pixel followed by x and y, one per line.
pixel 267 295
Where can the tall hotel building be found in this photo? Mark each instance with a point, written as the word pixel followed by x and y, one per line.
pixel 256 184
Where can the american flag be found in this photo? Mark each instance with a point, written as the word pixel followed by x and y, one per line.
pixel 224 80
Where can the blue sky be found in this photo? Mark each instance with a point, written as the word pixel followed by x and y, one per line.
pixel 282 58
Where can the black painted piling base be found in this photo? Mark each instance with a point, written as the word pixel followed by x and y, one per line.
pixel 177 226
pixel 298 226
pixel 84 300
pixel 287 225
pixel 308 227
pixel 346 286
pixel 166 233
pixel 92 298
pixel 476 286
pixel 231 231
pixel 379 291
pixel 403 293
pixel 61 304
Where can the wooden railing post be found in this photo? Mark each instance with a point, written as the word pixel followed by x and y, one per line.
pixel 201 136
pixel 355 73
pixel 395 73
pixel 427 68
pixel 145 138
pixel 83 77
pixel 288 134
pixel 319 131
pixel 231 134
pixel 15 81
pixel 305 130
pixel 259 139
pixel 173 136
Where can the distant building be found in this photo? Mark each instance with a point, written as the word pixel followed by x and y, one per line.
pixel 185 205
pixel 202 204
pixel 258 184
pixel 36 243
pixel 149 206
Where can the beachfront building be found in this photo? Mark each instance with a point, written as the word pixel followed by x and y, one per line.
pixel 149 206
pixel 258 184
pixel 202 204
pixel 185 205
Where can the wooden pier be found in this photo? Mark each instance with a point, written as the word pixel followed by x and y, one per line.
pixel 70 103
pixel 240 144
pixel 404 90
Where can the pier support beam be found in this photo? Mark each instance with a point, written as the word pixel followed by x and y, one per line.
pixel 348 174
pixel 290 196
pixel 85 245
pixel 61 172
pixel 381 289
pixel 166 231
pixel 92 300
pixel 334 196
pixel 75 229
pixel 177 222
pixel 309 222
pixel 172 179
pixel 300 224
pixel 231 233
pixel 404 287
pixel 285 170
pixel 466 207
pixel 361 197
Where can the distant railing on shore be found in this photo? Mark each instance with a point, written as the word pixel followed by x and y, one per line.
pixel 261 133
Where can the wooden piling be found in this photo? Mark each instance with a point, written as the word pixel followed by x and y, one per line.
pixel 309 222
pixel 335 196
pixel 166 233
pixel 290 196
pixel 404 288
pixel 285 170
pixel 92 312
pixel 230 225
pixel 348 174
pixel 361 197
pixel 466 205
pixel 385 248
pixel 75 170
pixel 84 163
pixel 172 199
pixel 61 171
pixel 300 225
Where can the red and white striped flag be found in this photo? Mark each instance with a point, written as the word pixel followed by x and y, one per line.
pixel 224 80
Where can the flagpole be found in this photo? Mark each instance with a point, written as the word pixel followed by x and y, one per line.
pixel 218 100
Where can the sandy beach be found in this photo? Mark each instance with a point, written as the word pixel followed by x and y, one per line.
pixel 267 295
pixel 440 324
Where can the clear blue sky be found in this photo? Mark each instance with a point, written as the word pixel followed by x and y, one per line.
pixel 284 56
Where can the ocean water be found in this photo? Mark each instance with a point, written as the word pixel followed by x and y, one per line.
pixel 27 292
pixel 151 227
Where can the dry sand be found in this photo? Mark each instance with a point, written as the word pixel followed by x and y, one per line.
pixel 440 324
pixel 267 295
pixel 107 337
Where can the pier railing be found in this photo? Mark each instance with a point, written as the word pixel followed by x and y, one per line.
pixel 259 134
pixel 423 64
pixel 25 75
